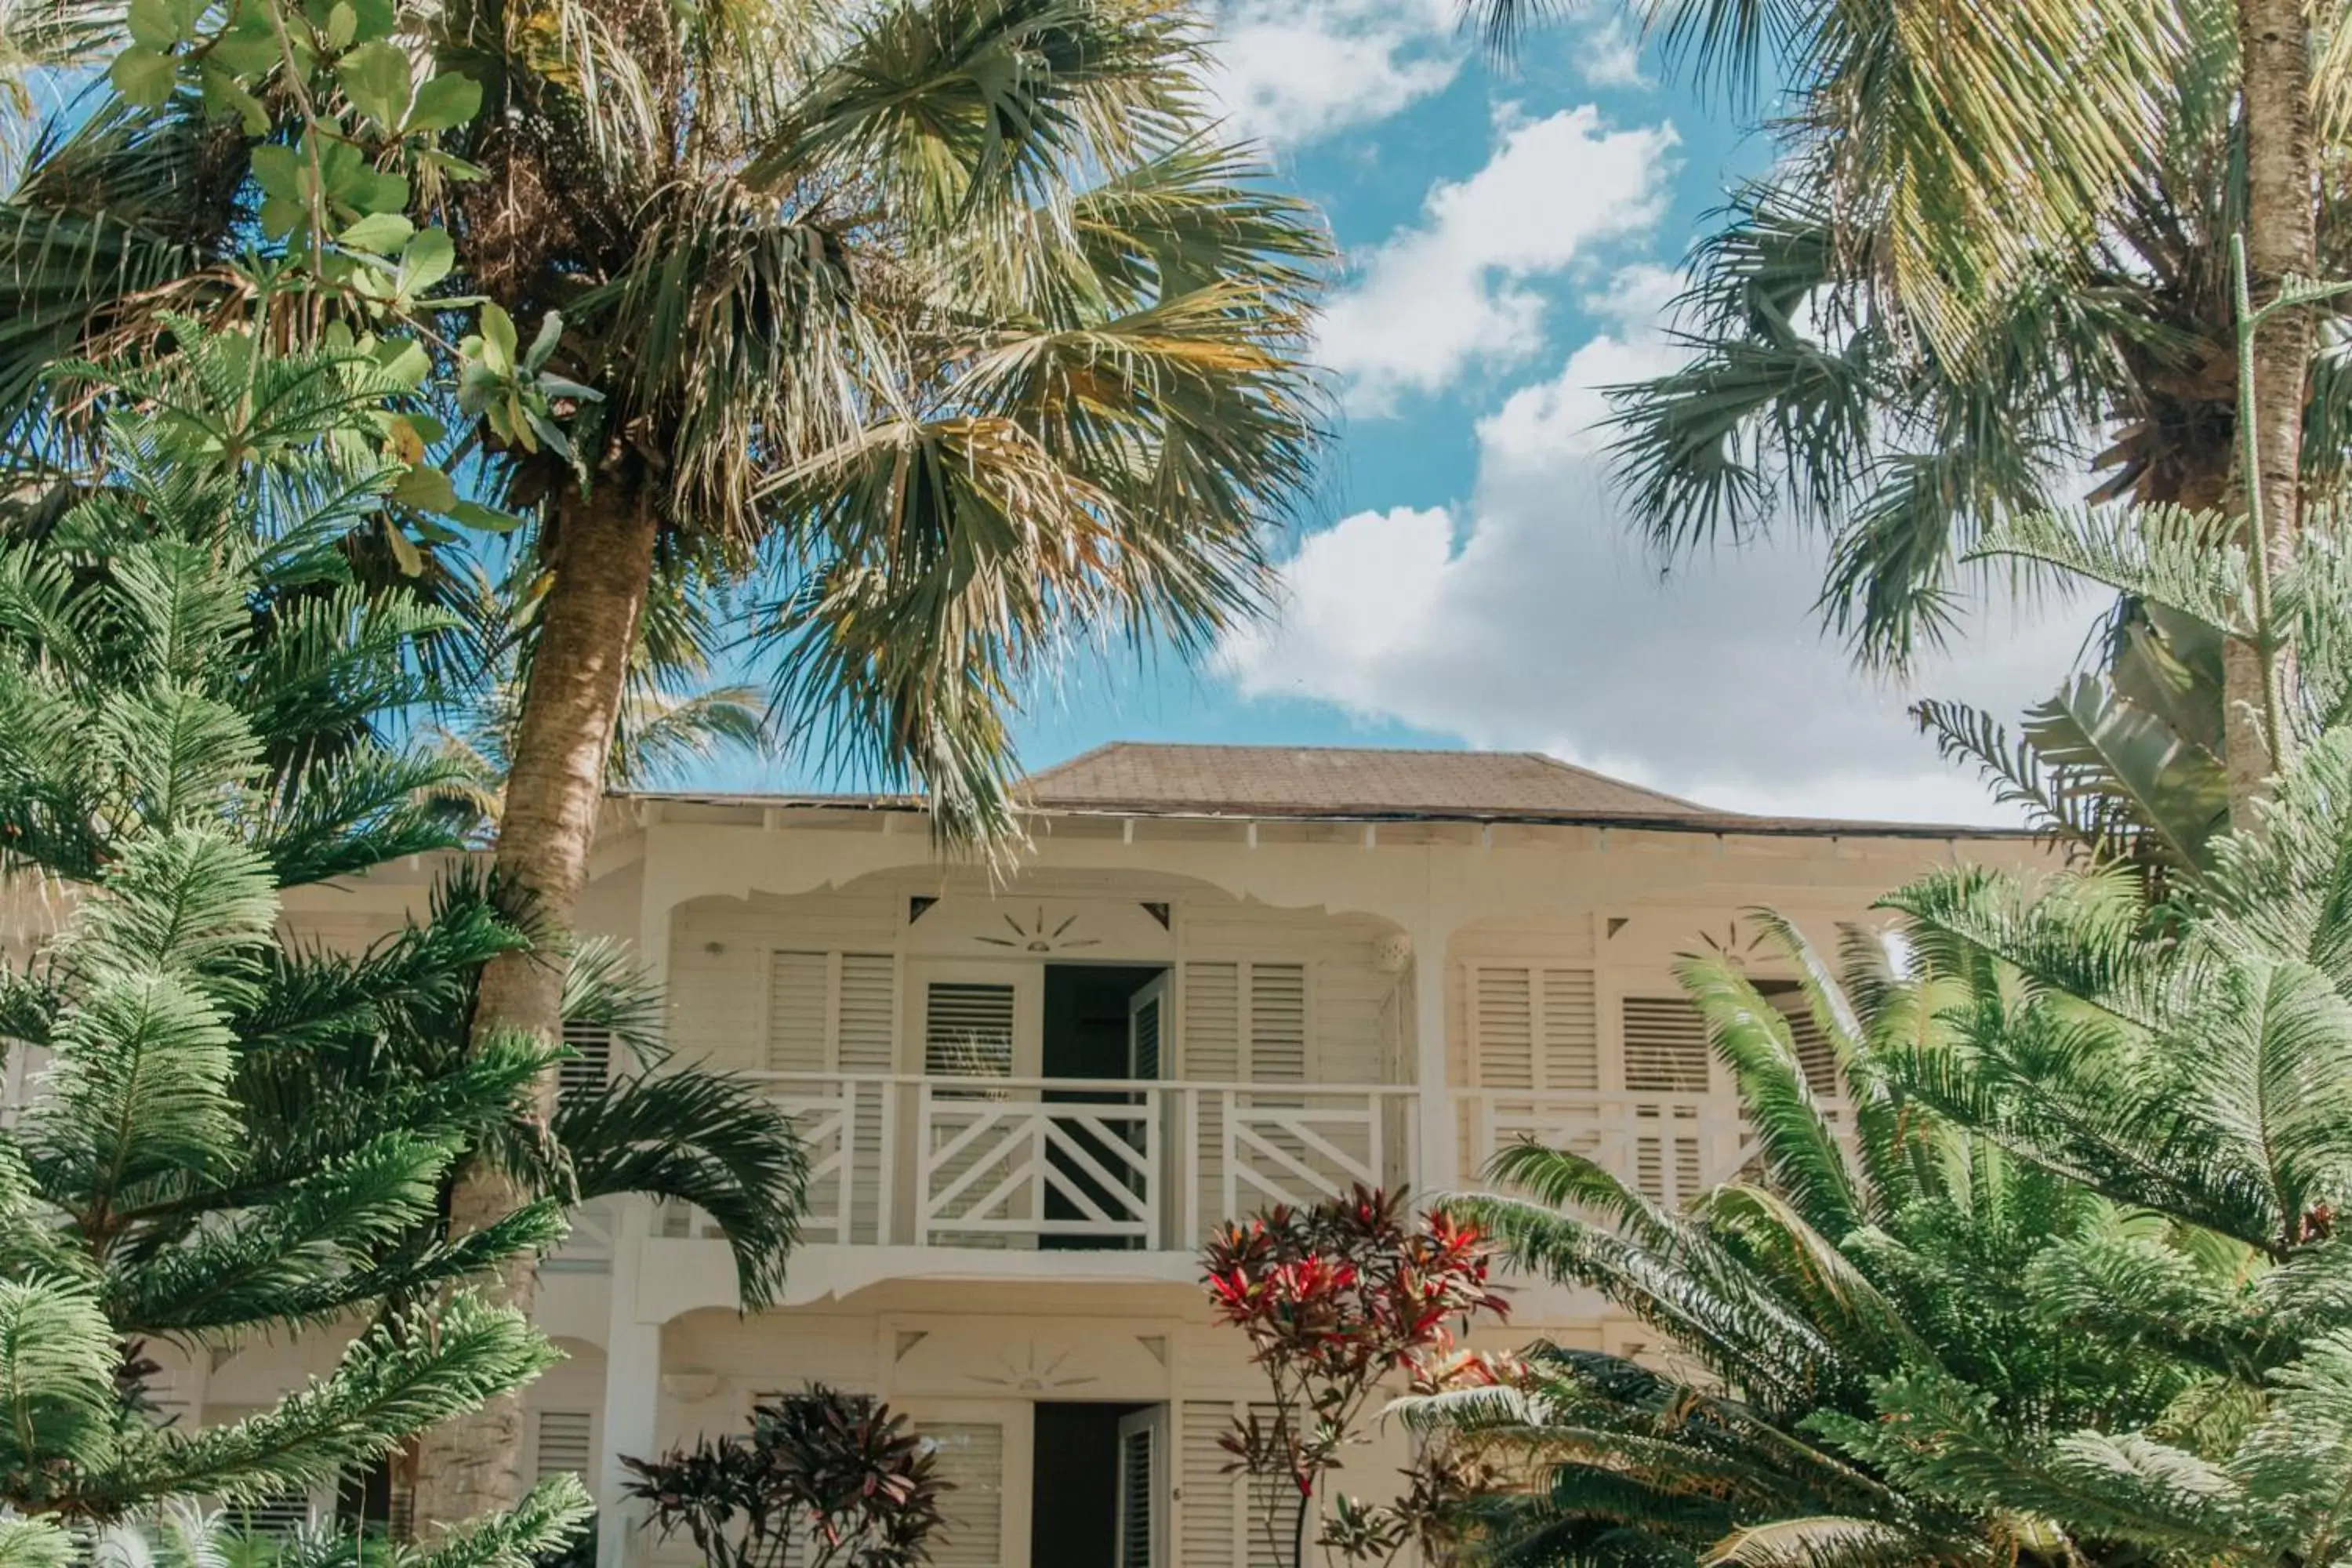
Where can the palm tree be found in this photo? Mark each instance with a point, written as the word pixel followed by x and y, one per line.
pixel 674 716
pixel 1862 1258
pixel 954 313
pixel 950 309
pixel 2191 1059
pixel 1827 385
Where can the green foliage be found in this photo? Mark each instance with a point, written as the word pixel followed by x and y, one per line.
pixel 195 644
pixel 1822 389
pixel 739 267
pixel 185 683
pixel 1860 1262
pixel 199 706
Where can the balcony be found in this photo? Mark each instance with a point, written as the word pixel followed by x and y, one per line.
pixel 1670 1147
pixel 1076 1164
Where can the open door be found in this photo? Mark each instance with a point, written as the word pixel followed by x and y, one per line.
pixel 1143 1483
pixel 1147 1027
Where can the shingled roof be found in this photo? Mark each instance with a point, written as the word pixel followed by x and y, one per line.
pixel 1329 781
pixel 1130 778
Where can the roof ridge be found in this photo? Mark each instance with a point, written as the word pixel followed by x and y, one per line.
pixel 1073 760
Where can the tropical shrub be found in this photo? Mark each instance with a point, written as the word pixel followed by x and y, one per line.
pixel 822 1479
pixel 272 470
pixel 1808 1305
pixel 2206 1080
pixel 187 700
pixel 1334 1299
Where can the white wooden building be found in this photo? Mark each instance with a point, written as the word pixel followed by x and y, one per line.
pixel 1215 978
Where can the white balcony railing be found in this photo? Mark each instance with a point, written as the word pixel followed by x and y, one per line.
pixel 1669 1147
pixel 1077 1162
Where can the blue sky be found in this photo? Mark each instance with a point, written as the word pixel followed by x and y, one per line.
pixel 1464 577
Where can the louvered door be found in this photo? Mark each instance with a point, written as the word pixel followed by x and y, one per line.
pixel 1141 1524
pixel 1667 1072
pixel 981 1449
pixel 1221 1520
pixel 979 1176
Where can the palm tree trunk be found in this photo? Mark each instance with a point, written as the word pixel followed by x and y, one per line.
pixel 2274 54
pixel 603 561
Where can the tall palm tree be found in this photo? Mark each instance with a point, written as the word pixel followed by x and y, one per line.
pixel 2075 320
pixel 1870 1252
pixel 951 309
pixel 675 716
pixel 955 313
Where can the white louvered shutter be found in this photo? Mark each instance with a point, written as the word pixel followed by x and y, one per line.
pixel 1220 1515
pixel 1568 1030
pixel 1534 1027
pixel 1207 1516
pixel 1502 1028
pixel 563 1444
pixel 1146 1028
pixel 280 1513
pixel 1213 1022
pixel 867 1042
pixel 970 1460
pixel 798 992
pixel 1142 1464
pixel 1277 1023
pixel 868 1012
pixel 1665 1045
pixel 1665 1053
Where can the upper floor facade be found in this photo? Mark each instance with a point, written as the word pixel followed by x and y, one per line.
pixel 1213 979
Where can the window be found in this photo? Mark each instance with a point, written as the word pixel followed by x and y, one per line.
pixel 563 1443
pixel 590 1065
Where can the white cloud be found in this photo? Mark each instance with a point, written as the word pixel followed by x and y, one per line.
pixel 1528 618
pixel 1291 72
pixel 1609 54
pixel 1455 289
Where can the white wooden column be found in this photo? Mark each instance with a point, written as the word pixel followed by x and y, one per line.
pixel 1439 1157
pixel 632 1392
pixel 633 1367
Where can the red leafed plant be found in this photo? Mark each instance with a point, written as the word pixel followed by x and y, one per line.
pixel 823 1479
pixel 1334 1298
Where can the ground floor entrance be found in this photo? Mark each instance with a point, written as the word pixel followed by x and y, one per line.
pixel 1051 1484
pixel 1094 1485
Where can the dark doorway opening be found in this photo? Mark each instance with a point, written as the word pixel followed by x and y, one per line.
pixel 1102 1021
pixel 1074 1504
